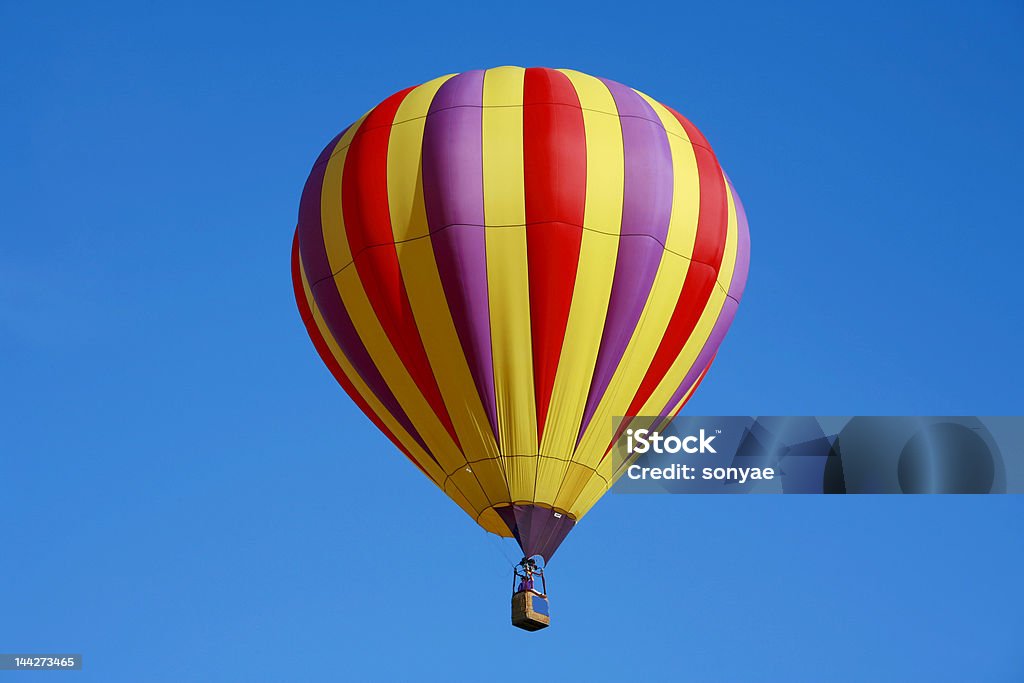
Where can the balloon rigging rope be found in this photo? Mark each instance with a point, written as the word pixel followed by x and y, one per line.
pixel 501 548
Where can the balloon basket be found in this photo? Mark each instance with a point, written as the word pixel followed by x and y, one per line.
pixel 530 611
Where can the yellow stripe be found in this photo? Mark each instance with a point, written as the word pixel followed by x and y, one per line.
pixel 682 231
pixel 507 275
pixel 398 379
pixel 660 425
pixel 653 322
pixel 405 147
pixel 435 472
pixel 580 490
pixel 694 345
pixel 603 211
pixel 491 521
pixel 604 139
pixel 332 223
pixel 670 122
pixel 650 329
pixel 453 492
pixel 680 242
pixel 436 475
pixel 705 324
pixel 364 318
pixel 728 269
pixel 638 356
pixel 467 484
pixel 427 297
pixel 592 492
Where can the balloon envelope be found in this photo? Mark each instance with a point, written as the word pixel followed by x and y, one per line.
pixel 496 264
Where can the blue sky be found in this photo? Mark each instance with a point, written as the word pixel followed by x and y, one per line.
pixel 186 495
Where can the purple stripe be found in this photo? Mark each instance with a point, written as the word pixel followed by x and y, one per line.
pixel 453 193
pixel 314 256
pixel 536 528
pixel 739 276
pixel 318 273
pixel 646 209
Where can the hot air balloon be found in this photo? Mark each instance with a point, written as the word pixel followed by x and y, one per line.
pixel 497 263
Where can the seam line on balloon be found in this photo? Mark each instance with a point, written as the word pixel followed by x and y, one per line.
pixel 494 506
pixel 456 486
pixel 690 259
pixel 502 463
pixel 718 284
pixel 469 464
pixel 524 455
pixel 362 130
pixel 501 457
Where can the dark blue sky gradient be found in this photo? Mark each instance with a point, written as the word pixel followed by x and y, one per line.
pixel 185 494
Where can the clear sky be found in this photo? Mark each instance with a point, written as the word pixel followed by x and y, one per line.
pixel 185 494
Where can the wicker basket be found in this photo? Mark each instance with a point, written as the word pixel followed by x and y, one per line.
pixel 530 611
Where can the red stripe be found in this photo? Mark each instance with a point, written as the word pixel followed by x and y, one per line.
pixel 367 217
pixel 328 358
pixel 555 167
pixel 708 249
pixel 713 222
